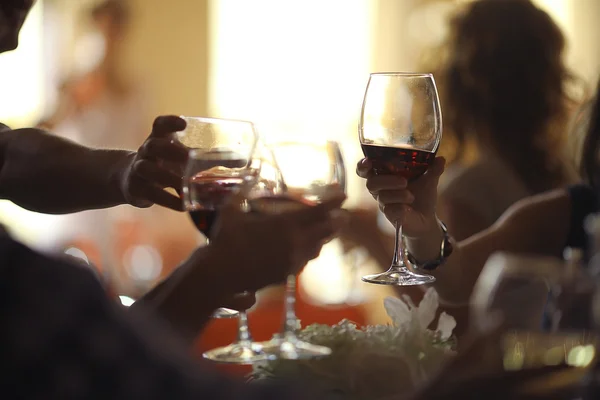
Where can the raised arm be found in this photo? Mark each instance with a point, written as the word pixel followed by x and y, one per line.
pixel 44 173
pixel 272 246
pixel 537 225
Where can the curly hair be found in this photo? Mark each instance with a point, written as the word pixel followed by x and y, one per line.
pixel 503 83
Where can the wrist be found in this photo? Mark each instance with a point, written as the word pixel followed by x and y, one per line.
pixel 446 247
pixel 188 297
pixel 426 247
pixel 120 166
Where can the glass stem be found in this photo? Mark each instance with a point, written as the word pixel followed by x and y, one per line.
pixel 291 321
pixel 243 335
pixel 398 261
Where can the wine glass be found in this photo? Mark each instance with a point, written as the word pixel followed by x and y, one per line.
pixel 312 172
pixel 545 307
pixel 266 182
pixel 400 130
pixel 220 161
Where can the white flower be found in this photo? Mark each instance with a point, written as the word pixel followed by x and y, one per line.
pixel 446 324
pixel 405 314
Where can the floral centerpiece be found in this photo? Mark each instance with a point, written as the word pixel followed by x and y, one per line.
pixel 373 362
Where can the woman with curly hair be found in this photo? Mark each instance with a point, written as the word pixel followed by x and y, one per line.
pixel 504 89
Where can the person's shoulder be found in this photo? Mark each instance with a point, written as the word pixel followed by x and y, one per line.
pixel 27 274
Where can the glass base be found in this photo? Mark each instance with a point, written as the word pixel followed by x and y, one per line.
pixel 399 276
pixel 237 353
pixel 222 313
pixel 291 348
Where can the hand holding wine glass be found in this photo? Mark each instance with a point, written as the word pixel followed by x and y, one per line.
pixel 400 130
pixel 413 203
pixel 272 245
pixel 275 245
pixel 158 164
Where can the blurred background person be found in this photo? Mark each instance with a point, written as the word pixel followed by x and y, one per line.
pixel 507 98
pixel 100 105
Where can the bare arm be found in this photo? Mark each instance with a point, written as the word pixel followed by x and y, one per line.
pixel 248 251
pixel 45 173
pixel 536 225
pixel 188 297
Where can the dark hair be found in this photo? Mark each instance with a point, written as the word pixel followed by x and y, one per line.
pixel 118 10
pixel 503 82
pixel 590 168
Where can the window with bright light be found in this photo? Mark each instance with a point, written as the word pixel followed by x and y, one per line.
pixel 22 74
pixel 298 69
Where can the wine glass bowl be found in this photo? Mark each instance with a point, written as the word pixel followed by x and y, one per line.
pixel 320 177
pixel 400 123
pixel 211 177
pixel 400 130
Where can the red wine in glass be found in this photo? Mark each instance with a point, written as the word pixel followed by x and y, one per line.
pixel 407 162
pixel 210 192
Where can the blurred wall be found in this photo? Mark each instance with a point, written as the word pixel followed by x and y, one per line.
pixel 584 39
pixel 168 50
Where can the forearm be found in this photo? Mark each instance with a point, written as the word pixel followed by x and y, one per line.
pixel 48 174
pixel 525 228
pixel 188 298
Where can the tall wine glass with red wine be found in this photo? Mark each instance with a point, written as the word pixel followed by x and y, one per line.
pixel 220 160
pixel 267 185
pixel 305 184
pixel 400 130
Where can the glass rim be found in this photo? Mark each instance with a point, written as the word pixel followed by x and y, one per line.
pixel 300 142
pixel 404 74
pixel 195 153
pixel 214 120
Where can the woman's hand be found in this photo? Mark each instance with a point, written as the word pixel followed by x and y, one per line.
pixel 410 203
